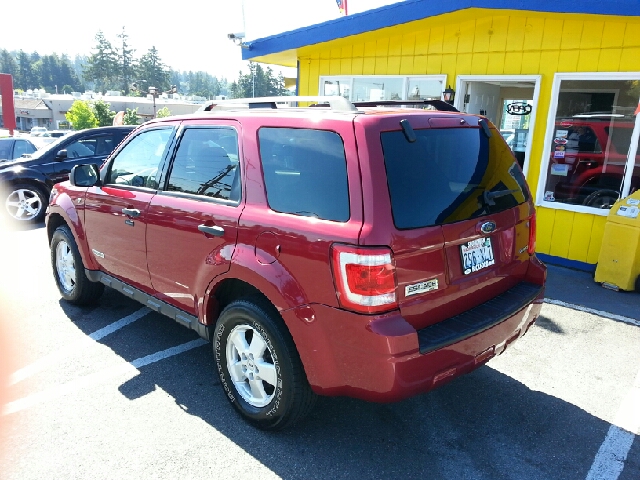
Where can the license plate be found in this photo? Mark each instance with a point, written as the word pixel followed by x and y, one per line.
pixel 476 255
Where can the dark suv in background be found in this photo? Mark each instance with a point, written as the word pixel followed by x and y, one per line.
pixel 25 183
pixel 370 252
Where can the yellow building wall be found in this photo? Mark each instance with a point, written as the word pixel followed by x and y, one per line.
pixel 495 42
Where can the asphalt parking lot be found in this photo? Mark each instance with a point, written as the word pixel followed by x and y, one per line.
pixel 117 391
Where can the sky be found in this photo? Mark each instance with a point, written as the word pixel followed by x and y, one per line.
pixel 189 35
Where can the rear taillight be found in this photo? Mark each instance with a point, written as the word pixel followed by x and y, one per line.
pixel 365 278
pixel 532 235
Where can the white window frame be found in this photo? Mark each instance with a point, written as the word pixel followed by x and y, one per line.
pixel 551 120
pixel 405 87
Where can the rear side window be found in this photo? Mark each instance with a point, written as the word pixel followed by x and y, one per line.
pixel 450 175
pixel 305 172
pixel 206 163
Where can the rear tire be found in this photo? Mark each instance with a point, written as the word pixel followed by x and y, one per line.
pixel 68 270
pixel 259 366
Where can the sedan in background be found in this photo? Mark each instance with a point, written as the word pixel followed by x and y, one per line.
pixel 12 148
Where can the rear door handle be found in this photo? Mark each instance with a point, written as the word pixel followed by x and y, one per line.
pixel 214 230
pixel 131 212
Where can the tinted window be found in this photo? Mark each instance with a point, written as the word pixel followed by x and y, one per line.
pixel 206 163
pixel 137 164
pixel 305 172
pixel 449 175
pixel 21 148
pixel 5 149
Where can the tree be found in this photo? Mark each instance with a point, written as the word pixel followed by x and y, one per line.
pixel 258 83
pixel 126 63
pixel 152 72
pixel 163 112
pixel 81 116
pixel 101 66
pixel 103 113
pixel 130 117
pixel 8 63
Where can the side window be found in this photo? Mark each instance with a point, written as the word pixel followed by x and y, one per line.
pixel 22 147
pixel 138 163
pixel 82 148
pixel 305 172
pixel 206 163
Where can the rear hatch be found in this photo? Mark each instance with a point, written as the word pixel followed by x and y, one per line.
pixel 461 212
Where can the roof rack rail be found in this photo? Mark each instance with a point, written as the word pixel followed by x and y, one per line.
pixel 336 103
pixel 437 104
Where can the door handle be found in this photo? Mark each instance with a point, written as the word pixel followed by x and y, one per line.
pixel 131 212
pixel 214 230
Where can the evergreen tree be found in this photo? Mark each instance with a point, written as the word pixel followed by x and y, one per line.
pixel 152 72
pixel 101 66
pixel 130 117
pixel 126 63
pixel 8 63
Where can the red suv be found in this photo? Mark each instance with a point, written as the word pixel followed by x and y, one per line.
pixel 373 252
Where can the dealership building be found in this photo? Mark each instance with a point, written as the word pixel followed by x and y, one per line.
pixel 560 80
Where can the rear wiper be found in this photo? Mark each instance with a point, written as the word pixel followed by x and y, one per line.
pixel 489 196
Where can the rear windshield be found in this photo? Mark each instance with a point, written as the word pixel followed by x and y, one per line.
pixel 450 175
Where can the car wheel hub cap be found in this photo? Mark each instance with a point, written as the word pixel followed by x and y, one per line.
pixel 23 204
pixel 251 366
pixel 65 266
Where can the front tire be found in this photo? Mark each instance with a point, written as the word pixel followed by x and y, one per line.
pixel 259 366
pixel 68 270
pixel 25 203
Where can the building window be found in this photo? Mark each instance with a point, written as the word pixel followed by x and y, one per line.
pixel 591 150
pixel 384 87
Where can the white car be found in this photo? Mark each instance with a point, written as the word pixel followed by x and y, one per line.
pixel 38 131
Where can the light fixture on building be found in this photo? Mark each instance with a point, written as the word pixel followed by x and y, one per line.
pixel 449 94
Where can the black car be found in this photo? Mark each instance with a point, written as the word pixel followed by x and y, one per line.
pixel 25 183
pixel 12 148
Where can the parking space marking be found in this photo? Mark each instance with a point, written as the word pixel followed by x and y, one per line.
pixel 600 313
pixel 47 360
pixel 99 377
pixel 612 455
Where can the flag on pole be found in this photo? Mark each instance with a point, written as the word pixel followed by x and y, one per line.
pixel 342 5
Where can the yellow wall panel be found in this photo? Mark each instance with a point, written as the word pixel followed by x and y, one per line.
pixel 580 237
pixel 324 66
pixel 406 65
pixel 395 45
pixel 549 62
pixel 370 49
pixel 393 65
pixel 533 33
pixel 613 34
pixel 346 51
pixel 512 63
pixel 449 65
pixel 545 218
pixel 515 34
pixel 630 59
pixel 345 66
pixel 530 63
pixel 334 66
pixel 381 66
pixel 356 66
pixel 369 65
pixel 561 235
pixel 632 35
pixel 495 66
pixel 479 63
pixel 499 29
pixel 591 35
pixel 552 35
pixel 434 65
pixel 609 60
pixel 482 36
pixel 466 36
pixel 336 53
pixel 597 232
pixel 420 65
pixel 571 34
pixel 422 43
pixel 588 60
pixel 305 76
pixel 436 39
pixel 408 45
pixel 450 39
pixel 382 47
pixel 325 54
pixel 358 50
pixel 463 63
pixel 568 60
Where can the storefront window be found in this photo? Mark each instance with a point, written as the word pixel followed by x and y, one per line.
pixel 591 148
pixel 336 87
pixel 370 89
pixel 424 89
pixel 384 87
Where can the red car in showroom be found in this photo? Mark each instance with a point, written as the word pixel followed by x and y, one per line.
pixel 372 252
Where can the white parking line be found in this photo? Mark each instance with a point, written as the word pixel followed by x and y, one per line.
pixel 97 378
pixel 600 313
pixel 611 456
pixel 47 360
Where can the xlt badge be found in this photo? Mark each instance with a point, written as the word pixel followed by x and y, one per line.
pixel 421 287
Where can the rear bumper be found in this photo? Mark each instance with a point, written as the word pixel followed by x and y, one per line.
pixel 384 359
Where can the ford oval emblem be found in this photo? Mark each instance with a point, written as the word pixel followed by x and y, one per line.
pixel 488 227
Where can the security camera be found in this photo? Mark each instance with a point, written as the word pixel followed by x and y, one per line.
pixel 235 36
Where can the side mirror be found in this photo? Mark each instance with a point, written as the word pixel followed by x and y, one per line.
pixel 61 155
pixel 85 175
